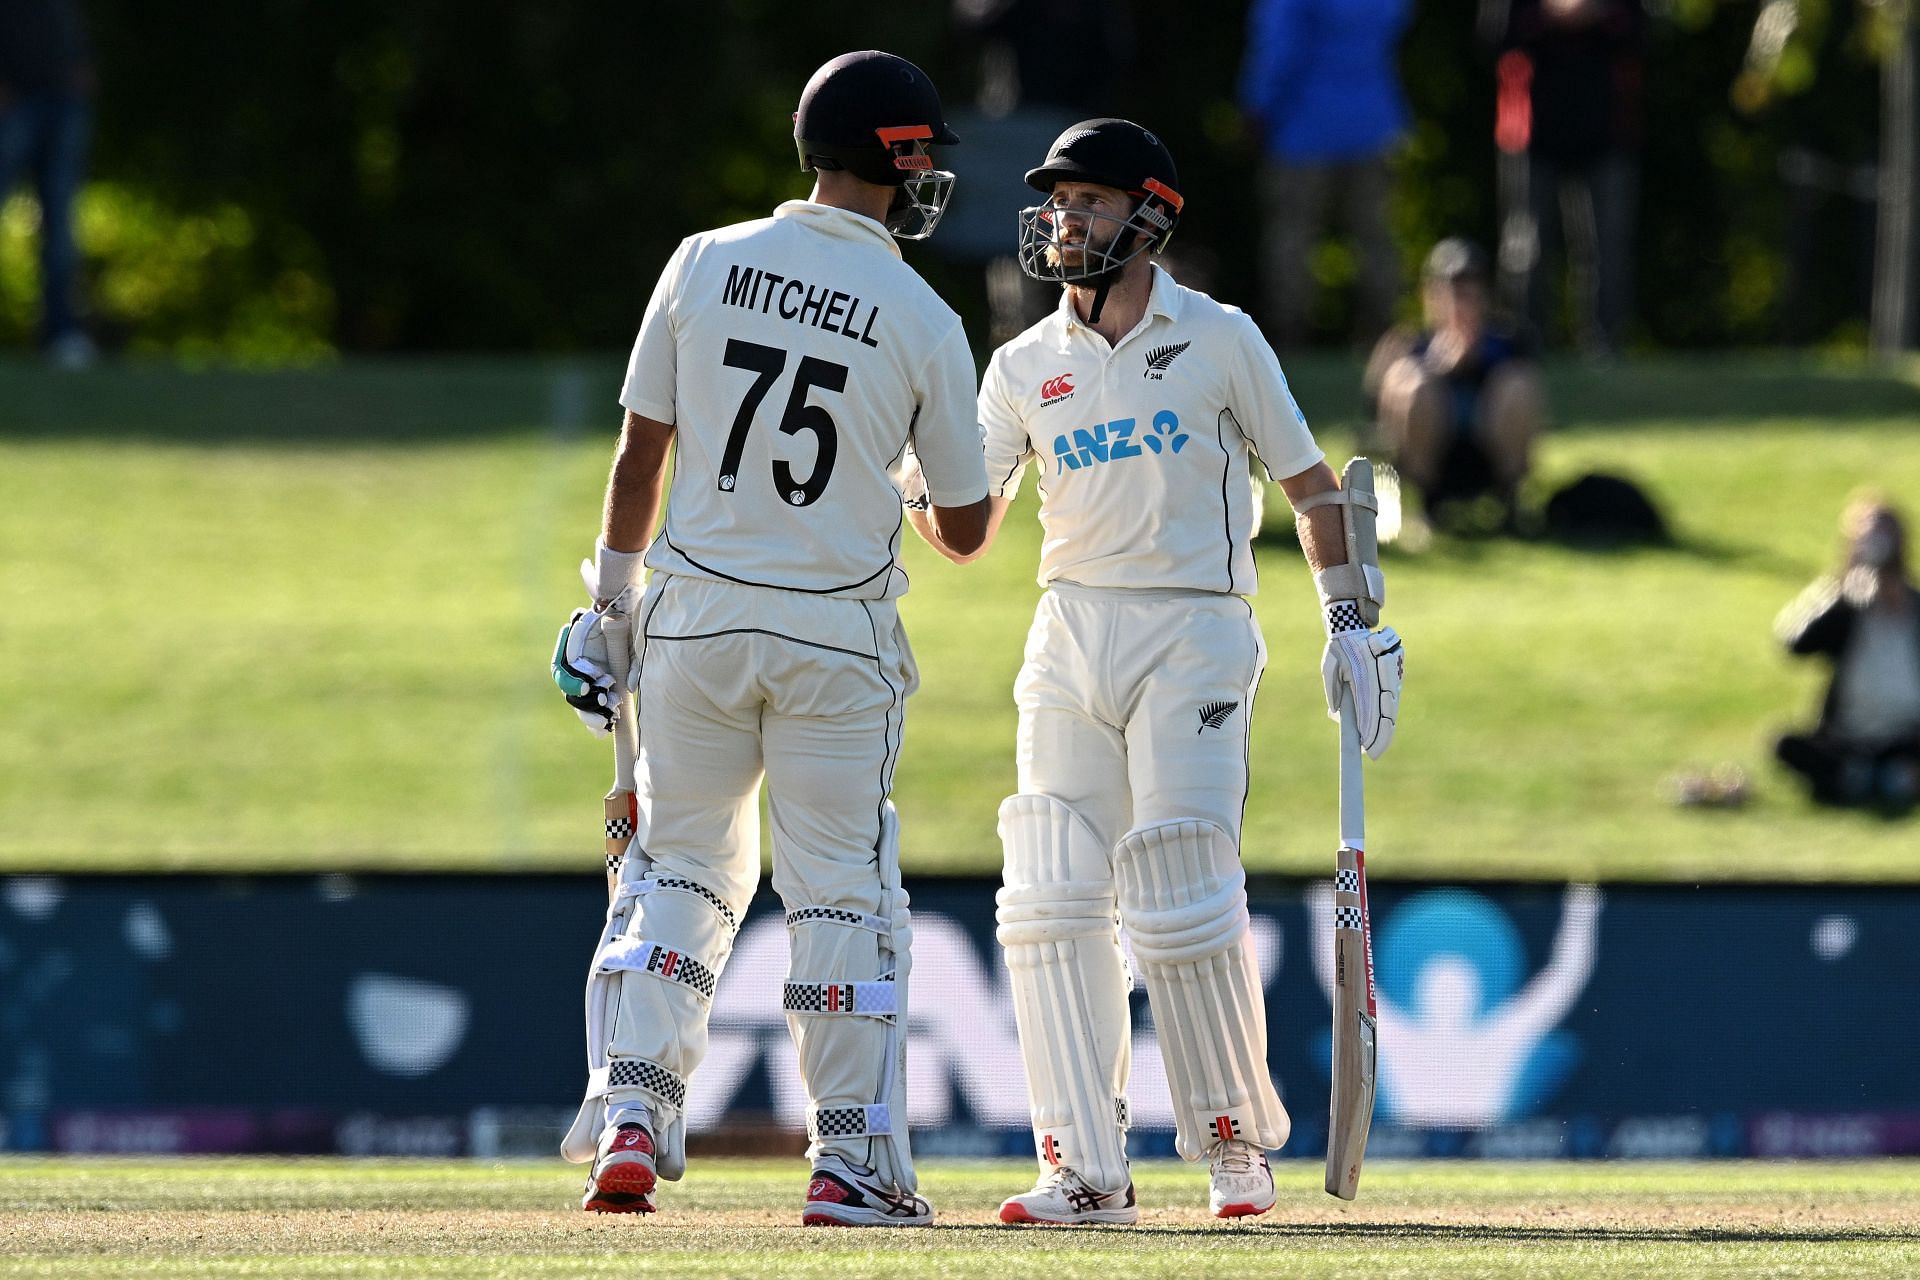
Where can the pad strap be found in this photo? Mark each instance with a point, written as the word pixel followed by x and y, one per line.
pixel 841 916
pixel 637 1073
pixel 679 884
pixel 637 955
pixel 858 999
pixel 873 1120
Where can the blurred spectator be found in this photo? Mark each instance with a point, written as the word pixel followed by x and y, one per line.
pixel 1321 91
pixel 1043 65
pixel 1568 127
pixel 1866 747
pixel 46 115
pixel 1460 400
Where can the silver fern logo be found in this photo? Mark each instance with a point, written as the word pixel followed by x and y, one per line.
pixel 1160 357
pixel 1214 714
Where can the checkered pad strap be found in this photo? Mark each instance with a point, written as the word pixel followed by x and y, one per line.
pixel 679 884
pixel 638 1073
pixel 1123 1112
pixel 637 955
pixel 1346 917
pixel 1346 880
pixel 839 915
pixel 1343 615
pixel 871 1121
pixel 861 999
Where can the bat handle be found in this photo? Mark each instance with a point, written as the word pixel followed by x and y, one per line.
pixel 1353 798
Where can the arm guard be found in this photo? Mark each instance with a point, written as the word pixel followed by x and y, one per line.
pixel 1359 579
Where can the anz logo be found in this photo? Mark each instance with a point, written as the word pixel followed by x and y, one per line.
pixel 1114 441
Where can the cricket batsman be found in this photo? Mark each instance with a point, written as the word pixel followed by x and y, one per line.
pixel 787 364
pixel 1140 402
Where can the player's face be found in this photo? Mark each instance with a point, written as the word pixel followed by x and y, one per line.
pixel 1085 215
pixel 1456 304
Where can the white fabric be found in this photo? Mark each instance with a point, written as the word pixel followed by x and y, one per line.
pixel 853 1056
pixel 738 683
pixel 1059 929
pixel 1184 900
pixel 657 1018
pixel 611 574
pixel 809 284
pixel 1373 665
pixel 1878 701
pixel 1135 706
pixel 1148 437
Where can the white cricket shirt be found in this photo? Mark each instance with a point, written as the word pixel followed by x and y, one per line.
pixel 1142 447
pixel 796 355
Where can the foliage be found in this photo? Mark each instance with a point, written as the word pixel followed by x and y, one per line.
pixel 418 175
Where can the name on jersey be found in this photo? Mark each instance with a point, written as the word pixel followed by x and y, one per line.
pixel 794 299
pixel 1115 441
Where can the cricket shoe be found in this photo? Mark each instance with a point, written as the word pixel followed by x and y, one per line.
pixel 1063 1198
pixel 1242 1181
pixel 840 1194
pixel 623 1174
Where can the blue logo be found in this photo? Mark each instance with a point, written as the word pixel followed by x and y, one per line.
pixel 1115 441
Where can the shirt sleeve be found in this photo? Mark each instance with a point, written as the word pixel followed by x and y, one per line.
pixel 946 438
pixel 1264 406
pixel 649 388
pixel 1005 433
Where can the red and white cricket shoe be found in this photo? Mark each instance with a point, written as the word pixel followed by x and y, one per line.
pixel 623 1174
pixel 1063 1198
pixel 1242 1181
pixel 840 1194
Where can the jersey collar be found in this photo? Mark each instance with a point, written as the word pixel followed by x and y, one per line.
pixel 842 224
pixel 1163 299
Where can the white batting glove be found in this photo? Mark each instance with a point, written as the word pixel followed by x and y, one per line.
pixel 581 669
pixel 1372 664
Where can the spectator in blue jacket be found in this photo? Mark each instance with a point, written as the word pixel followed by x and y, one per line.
pixel 1321 90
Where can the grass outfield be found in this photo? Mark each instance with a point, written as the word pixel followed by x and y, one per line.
pixel 301 621
pixel 72 1218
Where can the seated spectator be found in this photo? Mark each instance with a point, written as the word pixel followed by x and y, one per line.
pixel 1459 402
pixel 1866 748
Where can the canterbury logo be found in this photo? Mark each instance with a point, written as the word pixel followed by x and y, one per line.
pixel 1054 390
pixel 1160 357
pixel 1214 714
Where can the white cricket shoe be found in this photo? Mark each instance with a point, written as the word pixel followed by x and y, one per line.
pixel 1062 1197
pixel 1242 1181
pixel 840 1194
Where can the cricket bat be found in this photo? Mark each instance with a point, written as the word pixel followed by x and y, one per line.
pixel 622 807
pixel 1355 1049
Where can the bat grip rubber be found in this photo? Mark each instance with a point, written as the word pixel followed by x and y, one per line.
pixel 1353 800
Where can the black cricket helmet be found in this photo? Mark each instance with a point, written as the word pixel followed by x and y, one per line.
pixel 875 115
pixel 1112 153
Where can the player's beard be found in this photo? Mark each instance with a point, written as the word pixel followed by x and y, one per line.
pixel 1071 255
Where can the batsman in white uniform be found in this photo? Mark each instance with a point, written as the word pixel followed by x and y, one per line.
pixel 1139 402
pixel 789 362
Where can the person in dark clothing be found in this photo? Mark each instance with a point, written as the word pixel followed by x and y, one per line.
pixel 46 117
pixel 1866 747
pixel 1460 401
pixel 1569 128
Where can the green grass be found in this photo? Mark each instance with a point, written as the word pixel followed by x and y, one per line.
pixel 192 1218
pixel 292 621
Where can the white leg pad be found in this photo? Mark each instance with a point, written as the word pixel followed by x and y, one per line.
pixel 846 1004
pixel 1070 983
pixel 1184 899
pixel 649 994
